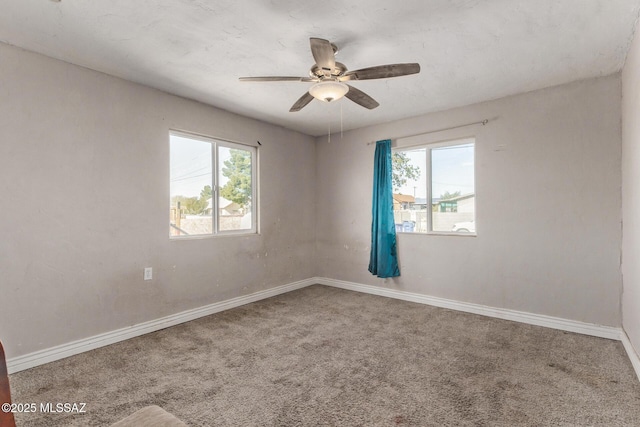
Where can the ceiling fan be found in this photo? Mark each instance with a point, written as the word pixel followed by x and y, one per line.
pixel 329 76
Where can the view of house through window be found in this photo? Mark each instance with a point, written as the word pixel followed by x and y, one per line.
pixel 212 186
pixel 434 188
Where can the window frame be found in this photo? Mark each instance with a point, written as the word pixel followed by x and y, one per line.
pixel 412 143
pixel 216 143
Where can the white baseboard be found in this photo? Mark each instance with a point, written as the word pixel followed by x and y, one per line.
pixel 500 313
pixel 31 360
pixel 631 352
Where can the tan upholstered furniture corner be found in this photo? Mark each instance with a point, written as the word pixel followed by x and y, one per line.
pixel 150 416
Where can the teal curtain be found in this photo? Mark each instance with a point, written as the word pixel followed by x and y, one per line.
pixel 383 261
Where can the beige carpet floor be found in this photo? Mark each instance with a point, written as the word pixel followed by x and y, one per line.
pixel 322 356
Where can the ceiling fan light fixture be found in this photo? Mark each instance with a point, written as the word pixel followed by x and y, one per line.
pixel 329 91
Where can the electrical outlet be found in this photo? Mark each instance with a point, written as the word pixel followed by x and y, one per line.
pixel 148 273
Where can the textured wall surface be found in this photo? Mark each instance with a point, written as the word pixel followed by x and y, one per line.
pixel 84 178
pixel 548 206
pixel 631 195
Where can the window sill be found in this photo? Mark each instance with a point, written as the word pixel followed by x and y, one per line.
pixel 213 236
pixel 438 233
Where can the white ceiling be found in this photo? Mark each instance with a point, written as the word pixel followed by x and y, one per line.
pixel 469 50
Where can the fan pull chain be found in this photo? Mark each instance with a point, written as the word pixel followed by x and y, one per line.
pixel 341 121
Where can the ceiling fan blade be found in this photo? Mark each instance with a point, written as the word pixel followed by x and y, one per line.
pixel 381 72
pixel 276 79
pixel 301 103
pixel 323 54
pixel 361 98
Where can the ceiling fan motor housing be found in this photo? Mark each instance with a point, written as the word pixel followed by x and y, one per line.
pixel 319 73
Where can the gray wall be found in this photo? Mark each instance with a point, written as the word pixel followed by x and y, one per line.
pixel 631 194
pixel 84 179
pixel 548 206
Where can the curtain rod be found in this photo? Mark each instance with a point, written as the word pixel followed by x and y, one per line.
pixel 482 122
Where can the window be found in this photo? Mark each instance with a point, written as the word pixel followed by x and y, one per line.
pixel 212 187
pixel 434 188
